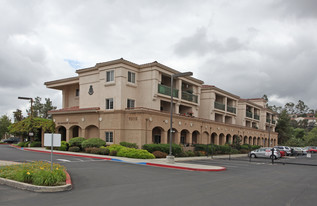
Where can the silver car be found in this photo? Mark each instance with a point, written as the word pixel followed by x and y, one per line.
pixel 265 152
pixel 284 148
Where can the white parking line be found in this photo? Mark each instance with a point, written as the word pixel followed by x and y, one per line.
pixel 63 160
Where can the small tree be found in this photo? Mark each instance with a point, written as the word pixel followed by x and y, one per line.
pixel 5 122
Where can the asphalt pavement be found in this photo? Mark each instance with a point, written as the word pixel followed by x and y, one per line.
pixel 102 182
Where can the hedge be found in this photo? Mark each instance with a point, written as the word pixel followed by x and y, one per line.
pixel 74 149
pixel 64 146
pixel 128 144
pixel 76 141
pixel 35 144
pixel 115 147
pixel 176 149
pixel 135 153
pixel 93 142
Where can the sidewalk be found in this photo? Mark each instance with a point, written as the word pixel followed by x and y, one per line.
pixel 179 162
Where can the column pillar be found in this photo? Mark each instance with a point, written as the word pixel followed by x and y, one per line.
pixel 177 137
pixel 67 135
pixel 163 137
pixel 189 138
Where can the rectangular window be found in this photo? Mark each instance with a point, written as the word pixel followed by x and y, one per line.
pixel 131 77
pixel 77 92
pixel 109 136
pixel 109 103
pixel 110 76
pixel 130 103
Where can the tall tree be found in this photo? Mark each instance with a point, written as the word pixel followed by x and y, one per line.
pixel 290 107
pixel 5 122
pixel 301 107
pixel 47 106
pixel 17 115
pixel 41 109
pixel 283 127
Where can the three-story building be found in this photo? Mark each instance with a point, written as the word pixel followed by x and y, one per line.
pixel 123 101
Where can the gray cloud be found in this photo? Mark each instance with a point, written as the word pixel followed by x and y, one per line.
pixel 199 44
pixel 302 8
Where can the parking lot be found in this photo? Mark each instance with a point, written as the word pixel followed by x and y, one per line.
pixel 230 161
pixel 115 183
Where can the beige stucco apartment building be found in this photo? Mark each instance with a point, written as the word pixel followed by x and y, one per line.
pixel 123 101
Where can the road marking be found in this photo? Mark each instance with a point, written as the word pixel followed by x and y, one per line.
pixel 63 160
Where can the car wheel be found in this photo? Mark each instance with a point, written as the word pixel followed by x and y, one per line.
pixel 274 157
pixel 252 156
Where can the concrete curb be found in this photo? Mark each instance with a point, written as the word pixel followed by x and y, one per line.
pixel 35 188
pixel 190 168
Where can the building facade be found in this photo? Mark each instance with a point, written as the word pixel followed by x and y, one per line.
pixel 123 101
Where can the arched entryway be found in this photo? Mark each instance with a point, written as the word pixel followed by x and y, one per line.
pixel 236 140
pixel 174 134
pixel 195 137
pixel 62 130
pixel 74 131
pixel 228 139
pixel 222 139
pixel 92 132
pixel 254 140
pixel 245 140
pixel 250 140
pixel 259 141
pixel 214 137
pixel 184 137
pixel 157 135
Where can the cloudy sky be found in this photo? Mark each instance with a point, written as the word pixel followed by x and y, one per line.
pixel 246 47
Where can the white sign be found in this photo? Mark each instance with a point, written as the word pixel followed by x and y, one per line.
pixel 268 152
pixel 48 140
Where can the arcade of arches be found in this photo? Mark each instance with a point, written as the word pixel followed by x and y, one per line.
pixel 185 137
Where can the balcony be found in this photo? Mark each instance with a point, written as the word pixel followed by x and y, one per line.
pixel 268 120
pixel 231 109
pixel 162 89
pixel 219 105
pixel 273 121
pixel 249 114
pixel 189 97
pixel 256 117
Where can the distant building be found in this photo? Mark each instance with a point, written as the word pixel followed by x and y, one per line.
pixel 123 101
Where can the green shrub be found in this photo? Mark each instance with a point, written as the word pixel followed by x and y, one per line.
pixel 190 153
pixel 246 147
pixel 135 153
pixel 176 149
pixel 198 153
pixel 159 154
pixel 113 153
pixel 76 141
pixel 64 146
pixel 21 144
pixel 254 147
pixel 128 144
pixel 115 147
pixel 93 142
pixel 35 144
pixel 74 149
pixel 244 151
pixel 103 151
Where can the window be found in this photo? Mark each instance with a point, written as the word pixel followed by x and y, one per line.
pixel 77 92
pixel 109 103
pixel 109 136
pixel 131 77
pixel 110 76
pixel 130 103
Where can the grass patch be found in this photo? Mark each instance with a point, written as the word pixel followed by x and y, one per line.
pixel 36 173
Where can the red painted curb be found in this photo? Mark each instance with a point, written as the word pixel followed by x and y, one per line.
pixel 68 179
pixel 75 155
pixel 186 168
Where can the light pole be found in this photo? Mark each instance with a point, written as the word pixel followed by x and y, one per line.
pixel 28 98
pixel 170 157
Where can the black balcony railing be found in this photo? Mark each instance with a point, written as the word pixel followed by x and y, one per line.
pixel 219 105
pixel 249 114
pixel 268 120
pixel 231 109
pixel 189 97
pixel 162 89
pixel 256 117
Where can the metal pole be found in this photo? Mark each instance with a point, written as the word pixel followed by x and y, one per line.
pixel 52 152
pixel 171 118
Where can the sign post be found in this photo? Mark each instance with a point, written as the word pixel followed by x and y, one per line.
pixel 52 140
